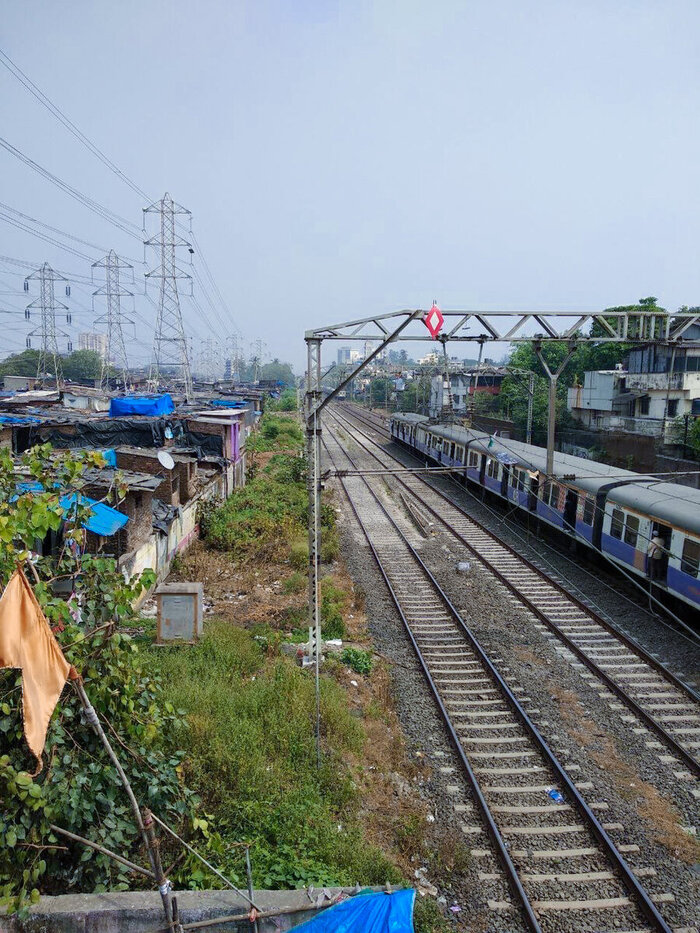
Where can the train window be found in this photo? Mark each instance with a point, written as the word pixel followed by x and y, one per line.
pixel 618 520
pixel 492 468
pixel 460 454
pixel 551 495
pixel 518 480
pixel 690 562
pixel 631 530
pixel 588 510
pixel 473 458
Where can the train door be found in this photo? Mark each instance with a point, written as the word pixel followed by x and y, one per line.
pixel 505 477
pixel 482 470
pixel 570 506
pixel 534 493
pixel 664 532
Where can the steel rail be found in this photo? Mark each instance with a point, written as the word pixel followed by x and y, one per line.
pixel 628 877
pixel 609 626
pixel 687 758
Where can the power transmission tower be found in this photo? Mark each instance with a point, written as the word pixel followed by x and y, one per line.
pixel 256 359
pixel 47 330
pixel 170 356
pixel 112 290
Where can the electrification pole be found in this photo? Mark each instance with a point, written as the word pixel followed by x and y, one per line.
pixel 47 330
pixel 170 356
pixel 553 376
pixel 113 292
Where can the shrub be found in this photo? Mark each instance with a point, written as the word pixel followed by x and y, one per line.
pixel 360 661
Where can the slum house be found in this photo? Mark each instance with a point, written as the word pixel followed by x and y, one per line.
pixel 158 515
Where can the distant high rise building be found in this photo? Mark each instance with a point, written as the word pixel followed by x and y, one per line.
pixel 89 340
pixel 343 355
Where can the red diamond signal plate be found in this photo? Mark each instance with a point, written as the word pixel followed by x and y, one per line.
pixel 434 320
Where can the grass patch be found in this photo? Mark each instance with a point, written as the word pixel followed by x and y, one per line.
pixel 252 758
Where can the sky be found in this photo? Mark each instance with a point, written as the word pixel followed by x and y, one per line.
pixel 342 159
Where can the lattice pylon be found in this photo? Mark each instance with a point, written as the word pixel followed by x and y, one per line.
pixel 113 291
pixel 170 362
pixel 48 305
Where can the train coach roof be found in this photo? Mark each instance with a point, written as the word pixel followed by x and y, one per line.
pixel 670 503
pixel 409 417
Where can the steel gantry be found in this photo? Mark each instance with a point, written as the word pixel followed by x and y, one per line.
pixel 571 328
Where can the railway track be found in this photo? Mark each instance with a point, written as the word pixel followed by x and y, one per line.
pixel 634 682
pixel 519 793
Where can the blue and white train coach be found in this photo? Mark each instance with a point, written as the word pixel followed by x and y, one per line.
pixel 612 510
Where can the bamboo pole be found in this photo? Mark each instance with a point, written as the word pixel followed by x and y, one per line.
pixel 98 848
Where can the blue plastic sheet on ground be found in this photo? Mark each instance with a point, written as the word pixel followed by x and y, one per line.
pixel 369 913
pixel 141 405
pixel 103 520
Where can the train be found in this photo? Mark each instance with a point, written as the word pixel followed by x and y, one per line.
pixel 613 511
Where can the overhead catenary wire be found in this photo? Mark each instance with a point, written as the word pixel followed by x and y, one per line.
pixel 636 583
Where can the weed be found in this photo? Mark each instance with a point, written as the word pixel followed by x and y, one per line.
pixel 294 584
pixel 428 917
pixel 360 661
pixel 299 554
pixel 252 755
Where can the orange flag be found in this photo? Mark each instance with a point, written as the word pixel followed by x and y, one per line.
pixel 26 641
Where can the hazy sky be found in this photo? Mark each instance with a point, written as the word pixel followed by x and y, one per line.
pixel 344 158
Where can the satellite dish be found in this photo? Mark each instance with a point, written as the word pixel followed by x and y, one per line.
pixel 166 460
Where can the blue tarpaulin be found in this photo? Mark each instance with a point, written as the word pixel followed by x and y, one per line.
pixel 103 519
pixel 366 913
pixel 228 403
pixel 141 405
pixel 13 419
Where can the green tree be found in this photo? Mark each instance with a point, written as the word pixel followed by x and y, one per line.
pixel 278 372
pixel 82 365
pixel 20 364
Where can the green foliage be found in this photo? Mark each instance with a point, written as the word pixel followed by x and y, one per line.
pixel 428 917
pixel 333 601
pixel 25 363
pixel 296 583
pixel 286 402
pixel 77 366
pixel 253 761
pixel 513 397
pixel 357 659
pixel 81 365
pixel 275 432
pixel 78 788
pixel 258 519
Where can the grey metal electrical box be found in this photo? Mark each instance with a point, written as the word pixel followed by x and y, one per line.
pixel 180 612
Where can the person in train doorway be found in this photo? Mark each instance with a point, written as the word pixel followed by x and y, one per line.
pixel 655 554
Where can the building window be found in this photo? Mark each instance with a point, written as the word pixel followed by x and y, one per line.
pixel 631 530
pixel 672 408
pixel 588 510
pixel 616 524
pixel 644 405
pixel 690 562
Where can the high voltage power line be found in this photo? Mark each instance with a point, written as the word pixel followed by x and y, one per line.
pixel 21 220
